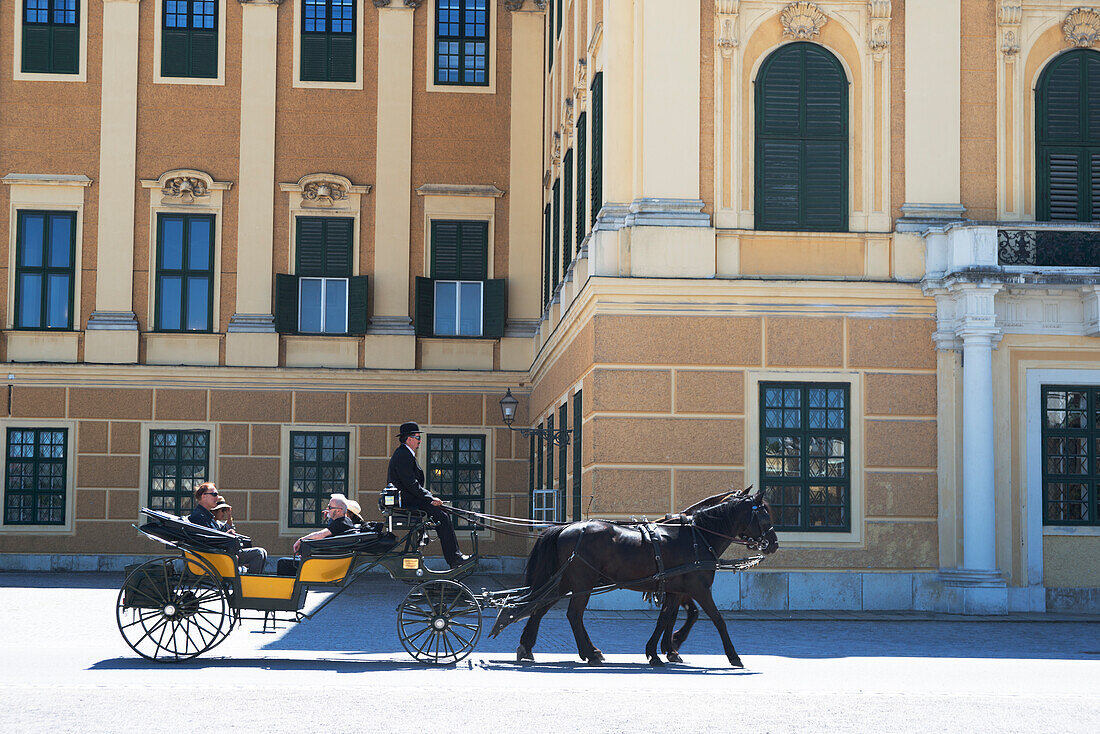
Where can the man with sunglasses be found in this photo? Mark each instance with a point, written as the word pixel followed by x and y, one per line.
pixel 206 499
pixel 338 521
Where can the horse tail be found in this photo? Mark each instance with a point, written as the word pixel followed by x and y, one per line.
pixel 543 561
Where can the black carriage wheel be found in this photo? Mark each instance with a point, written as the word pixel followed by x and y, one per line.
pixel 172 609
pixel 439 622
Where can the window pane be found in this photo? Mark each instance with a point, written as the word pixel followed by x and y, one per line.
pixel 198 256
pixel 33 227
pixel 30 301
pixel 470 309
pixel 446 308
pixel 171 249
pixel 336 306
pixel 61 232
pixel 198 293
pixel 170 301
pixel 309 305
pixel 57 305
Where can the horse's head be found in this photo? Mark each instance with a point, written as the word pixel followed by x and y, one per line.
pixel 758 532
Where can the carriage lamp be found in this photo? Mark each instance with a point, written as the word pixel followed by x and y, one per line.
pixel 508 403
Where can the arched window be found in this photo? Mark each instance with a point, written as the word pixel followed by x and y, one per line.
pixel 802 141
pixel 1067 113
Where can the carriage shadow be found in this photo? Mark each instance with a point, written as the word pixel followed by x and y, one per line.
pixel 571 666
pixel 272 664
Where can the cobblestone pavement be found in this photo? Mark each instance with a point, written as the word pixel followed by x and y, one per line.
pixel 66 667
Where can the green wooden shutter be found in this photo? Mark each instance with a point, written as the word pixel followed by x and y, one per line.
pixel 36 48
pixel 425 306
pixel 473 261
pixel 286 303
pixel 546 235
pixel 1062 171
pixel 174 52
pixel 582 192
pixel 65 52
pixel 341 58
pixel 531 478
pixel 802 141
pixel 597 147
pixel 555 241
pixel 314 57
pixel 578 424
pixel 1068 138
pixel 310 248
pixel 338 247
pixel 567 216
pixel 204 54
pixel 357 304
pixel 445 245
pixel 495 314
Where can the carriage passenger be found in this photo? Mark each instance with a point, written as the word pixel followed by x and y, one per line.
pixel 340 513
pixel 206 500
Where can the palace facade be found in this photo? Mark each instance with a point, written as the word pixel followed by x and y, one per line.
pixel 842 250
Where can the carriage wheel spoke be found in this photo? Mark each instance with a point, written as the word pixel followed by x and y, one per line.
pixel 465 642
pixel 149 631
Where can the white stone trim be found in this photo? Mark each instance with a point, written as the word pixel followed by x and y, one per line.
pixel 69 526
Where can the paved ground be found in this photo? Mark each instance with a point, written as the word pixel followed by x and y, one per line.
pixel 65 668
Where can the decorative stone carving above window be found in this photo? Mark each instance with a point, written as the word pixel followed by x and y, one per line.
pixel 186 187
pixel 880 28
pixel 1082 27
pixel 1008 19
pixel 325 191
pixel 727 11
pixel 580 81
pixel 802 20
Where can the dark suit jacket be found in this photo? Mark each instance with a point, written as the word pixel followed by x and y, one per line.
pixel 405 474
pixel 202 516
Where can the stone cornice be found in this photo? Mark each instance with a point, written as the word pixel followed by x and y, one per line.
pixel 46 179
pixel 477 190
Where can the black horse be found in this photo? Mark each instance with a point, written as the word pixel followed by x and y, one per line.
pixel 584 555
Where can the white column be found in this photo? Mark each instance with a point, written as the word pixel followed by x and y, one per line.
pixel 112 335
pixel 251 337
pixel 979 510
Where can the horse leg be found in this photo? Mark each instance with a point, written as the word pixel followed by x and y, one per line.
pixel 530 634
pixel 680 636
pixel 706 603
pixel 665 620
pixel 575 614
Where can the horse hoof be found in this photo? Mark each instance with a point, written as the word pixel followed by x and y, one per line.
pixel 522 653
pixel 736 662
pixel 674 657
pixel 595 657
pixel 656 661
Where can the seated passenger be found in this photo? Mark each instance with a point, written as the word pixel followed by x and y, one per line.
pixel 355 513
pixel 223 513
pixel 206 499
pixel 338 520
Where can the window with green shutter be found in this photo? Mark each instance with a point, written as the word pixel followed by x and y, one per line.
pixel 805 431
pixel 328 41
pixel 546 235
pixel 802 141
pixel 1067 105
pixel 597 148
pixel 1071 449
pixel 185 273
pixel 567 215
pixel 45 255
pixel 51 36
pixel 35 477
pixel 179 461
pixel 577 427
pixel 459 299
pixel 555 240
pixel 189 39
pixel 582 192
pixel 456 471
pixel 322 296
pixel 462 42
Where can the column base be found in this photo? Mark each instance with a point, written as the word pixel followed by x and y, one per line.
pixel 252 323
pixel 399 325
pixel 653 212
pixel 919 217
pixel 111 338
pixel 252 349
pixel 973 592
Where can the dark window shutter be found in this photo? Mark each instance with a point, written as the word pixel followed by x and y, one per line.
pixel 1068 138
pixel 1094 185
pixel 286 303
pixel 174 53
pixel 1063 99
pixel 338 246
pixel 582 188
pixel 473 263
pixel 204 54
pixel 36 48
pixel 567 216
pixel 597 146
pixel 546 234
pixel 341 58
pixel 1062 170
pixel 311 246
pixel 496 307
pixel 555 241
pixel 445 250
pixel 314 57
pixel 425 306
pixel 66 49
pixel 802 141
pixel 357 304
pixel 531 479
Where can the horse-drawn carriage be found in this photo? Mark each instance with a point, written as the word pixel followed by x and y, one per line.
pixel 176 607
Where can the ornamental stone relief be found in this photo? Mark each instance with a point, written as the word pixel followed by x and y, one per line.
pixel 414 4
pixel 727 25
pixel 323 193
pixel 514 5
pixel 1011 12
pixel 184 188
pixel 1082 27
pixel 802 20
pixel 880 28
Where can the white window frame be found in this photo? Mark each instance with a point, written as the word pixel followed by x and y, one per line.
pixel 158 30
pixel 324 301
pixel 67 528
pixel 458 306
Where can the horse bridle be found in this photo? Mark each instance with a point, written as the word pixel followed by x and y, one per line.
pixel 756 544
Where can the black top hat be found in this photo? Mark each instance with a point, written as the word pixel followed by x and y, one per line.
pixel 409 428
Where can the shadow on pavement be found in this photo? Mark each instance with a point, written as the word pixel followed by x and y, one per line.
pixel 337 666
